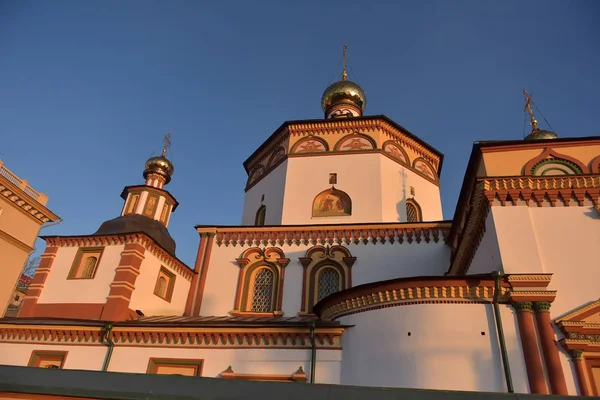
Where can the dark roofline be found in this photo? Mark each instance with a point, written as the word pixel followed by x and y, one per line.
pixel 126 188
pixel 120 234
pixel 363 118
pixel 532 143
pixel 320 225
pixel 140 386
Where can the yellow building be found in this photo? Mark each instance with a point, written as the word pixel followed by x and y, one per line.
pixel 22 213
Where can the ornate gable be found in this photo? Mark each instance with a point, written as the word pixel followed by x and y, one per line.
pixel 582 327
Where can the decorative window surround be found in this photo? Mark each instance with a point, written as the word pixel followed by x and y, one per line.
pixel 86 263
pixel 298 376
pixel 251 262
pixel 175 366
pixel 47 359
pixel 165 283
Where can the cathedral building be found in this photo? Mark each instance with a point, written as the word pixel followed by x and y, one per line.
pixel 351 277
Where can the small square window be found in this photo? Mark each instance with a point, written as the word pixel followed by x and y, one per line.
pixel 164 284
pixel 47 359
pixel 86 263
pixel 333 179
pixel 186 367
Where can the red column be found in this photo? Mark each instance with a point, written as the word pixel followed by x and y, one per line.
pixel 577 356
pixel 203 274
pixel 531 353
pixel 193 293
pixel 556 376
pixel 37 284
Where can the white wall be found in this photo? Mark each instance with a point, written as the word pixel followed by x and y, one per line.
pixel 375 262
pixel 143 297
pixel 487 257
pixel 59 289
pixel 78 357
pixel 272 186
pixel 357 174
pixel 248 361
pixel 568 239
pixel 396 182
pixel 445 350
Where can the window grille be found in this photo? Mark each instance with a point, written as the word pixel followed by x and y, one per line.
pixel 89 267
pixel 262 296
pixel 161 287
pixel 412 214
pixel 329 283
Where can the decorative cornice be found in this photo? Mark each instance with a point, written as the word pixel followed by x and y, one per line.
pixel 579 312
pixel 413 233
pixel 25 202
pixel 529 296
pixel 112 240
pixel 326 338
pixel 298 376
pixel 529 280
pixel 401 292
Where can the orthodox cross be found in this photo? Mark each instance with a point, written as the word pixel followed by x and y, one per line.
pixel 166 143
pixel 533 122
pixel 344 74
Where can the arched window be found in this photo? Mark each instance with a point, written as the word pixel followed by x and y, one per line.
pixel 328 282
pixel 413 211
pixel 262 291
pixel 161 287
pixel 327 270
pixel 89 267
pixel 260 216
pixel 260 281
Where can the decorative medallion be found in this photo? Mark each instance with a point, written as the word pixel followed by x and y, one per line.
pixel 310 145
pixel 355 142
pixel 393 149
pixel 423 166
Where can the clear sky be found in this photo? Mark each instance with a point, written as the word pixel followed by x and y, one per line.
pixel 89 88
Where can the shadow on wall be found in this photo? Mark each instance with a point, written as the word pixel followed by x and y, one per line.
pixel 593 212
pixel 401 205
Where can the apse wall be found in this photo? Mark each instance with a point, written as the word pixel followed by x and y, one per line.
pixel 433 346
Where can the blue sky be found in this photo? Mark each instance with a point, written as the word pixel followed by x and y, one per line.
pixel 88 89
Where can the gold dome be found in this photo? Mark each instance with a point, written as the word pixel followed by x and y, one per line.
pixel 343 92
pixel 541 134
pixel 159 165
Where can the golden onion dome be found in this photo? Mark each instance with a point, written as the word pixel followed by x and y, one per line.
pixel 159 165
pixel 343 92
pixel 541 134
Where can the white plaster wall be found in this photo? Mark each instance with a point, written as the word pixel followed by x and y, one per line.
pixel 78 357
pixel 445 350
pixel 396 182
pixel 357 174
pixel 249 361
pixel 487 257
pixel 375 262
pixel 273 187
pixel 59 289
pixel 568 240
pixel 143 297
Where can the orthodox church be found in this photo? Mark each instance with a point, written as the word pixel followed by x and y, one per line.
pixel 351 277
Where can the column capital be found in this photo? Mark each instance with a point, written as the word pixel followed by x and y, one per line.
pixel 576 355
pixel 542 306
pixel 523 306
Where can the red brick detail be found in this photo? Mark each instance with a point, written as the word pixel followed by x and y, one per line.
pixel 29 302
pixel 117 305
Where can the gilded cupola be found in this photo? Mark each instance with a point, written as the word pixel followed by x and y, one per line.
pixel 536 132
pixel 343 98
pixel 159 169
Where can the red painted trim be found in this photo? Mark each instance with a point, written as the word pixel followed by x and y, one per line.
pixel 29 302
pixel 203 274
pixel 193 292
pixel 549 152
pixel 590 364
pixel 304 277
pixel 556 376
pixel 316 138
pixel 595 165
pixel 531 353
pixel 279 304
pixel 579 370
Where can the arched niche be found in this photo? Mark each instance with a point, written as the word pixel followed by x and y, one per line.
pixel 332 203
pixel 355 142
pixel 311 144
pixel 425 167
pixel 551 163
pixel 393 149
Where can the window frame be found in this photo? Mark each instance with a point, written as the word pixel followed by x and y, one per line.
pixel 318 271
pixel 261 216
pixel 38 356
pixel 170 284
pixel 154 363
pixel 78 262
pixel 418 209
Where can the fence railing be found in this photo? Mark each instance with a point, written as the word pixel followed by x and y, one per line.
pixel 23 185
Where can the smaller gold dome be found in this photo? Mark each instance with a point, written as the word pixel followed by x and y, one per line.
pixel 343 92
pixel 541 134
pixel 159 165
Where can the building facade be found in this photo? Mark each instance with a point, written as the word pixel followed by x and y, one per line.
pixel 23 212
pixel 351 277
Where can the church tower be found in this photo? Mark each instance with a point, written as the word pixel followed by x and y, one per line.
pixel 344 168
pixel 125 269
